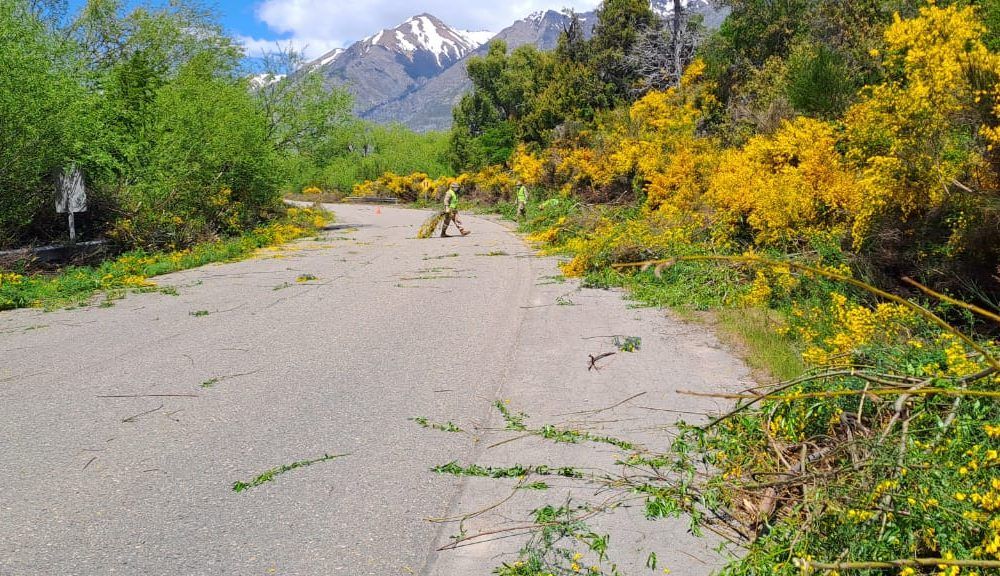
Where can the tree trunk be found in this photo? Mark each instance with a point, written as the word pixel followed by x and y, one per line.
pixel 677 42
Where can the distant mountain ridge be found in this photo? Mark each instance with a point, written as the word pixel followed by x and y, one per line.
pixel 414 74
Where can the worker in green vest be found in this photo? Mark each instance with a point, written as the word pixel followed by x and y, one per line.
pixel 522 199
pixel 451 211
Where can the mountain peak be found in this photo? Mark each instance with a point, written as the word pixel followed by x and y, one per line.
pixel 427 34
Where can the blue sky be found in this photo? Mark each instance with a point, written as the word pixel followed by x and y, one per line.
pixel 318 26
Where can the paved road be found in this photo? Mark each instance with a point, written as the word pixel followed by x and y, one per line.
pixel 122 429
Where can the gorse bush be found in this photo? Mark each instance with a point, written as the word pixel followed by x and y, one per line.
pixel 911 160
pixel 813 151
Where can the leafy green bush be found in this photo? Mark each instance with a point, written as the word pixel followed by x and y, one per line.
pixel 818 83
pixel 152 103
pixel 210 167
pixel 42 118
pixel 363 152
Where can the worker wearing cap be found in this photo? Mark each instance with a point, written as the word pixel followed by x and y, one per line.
pixel 451 211
pixel 522 199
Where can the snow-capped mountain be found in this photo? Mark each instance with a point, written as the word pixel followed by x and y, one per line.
pixel 426 35
pixel 327 58
pixel 415 73
pixel 258 81
pixel 394 61
pixel 429 105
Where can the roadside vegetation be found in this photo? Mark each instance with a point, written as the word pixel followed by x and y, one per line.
pixel 186 143
pixel 821 178
pixel 181 136
pixel 132 271
pixel 367 152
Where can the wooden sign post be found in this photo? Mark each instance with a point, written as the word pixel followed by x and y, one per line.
pixel 72 197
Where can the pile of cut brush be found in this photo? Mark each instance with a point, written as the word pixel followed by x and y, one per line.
pixel 885 462
pixel 430 225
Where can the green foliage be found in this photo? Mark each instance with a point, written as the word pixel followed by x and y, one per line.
pixel 306 118
pixel 526 95
pixel 271 474
pixel 990 11
pixel 152 104
pixel 628 343
pixel 131 271
pixel 209 168
pixel 513 421
pixel 818 83
pixel 760 29
pixel 324 146
pixel 516 471
pixel 771 59
pixel 446 427
pixel 619 23
pixel 553 548
pixel 361 152
pixel 757 332
pixel 505 92
pixel 43 119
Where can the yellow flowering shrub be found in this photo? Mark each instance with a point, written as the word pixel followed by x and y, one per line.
pixel 786 186
pixel 902 135
pixel 10 278
pixel 679 187
pixel 648 237
pixel 407 188
pixel 770 283
pixel 495 181
pixel 529 168
pixel 857 326
pixel 653 144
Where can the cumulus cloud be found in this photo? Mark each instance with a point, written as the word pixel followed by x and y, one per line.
pixel 318 26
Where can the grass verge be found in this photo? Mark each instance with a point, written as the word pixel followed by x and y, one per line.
pixel 132 271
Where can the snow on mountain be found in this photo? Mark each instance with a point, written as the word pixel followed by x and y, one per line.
pixel 328 58
pixel 261 80
pixel 712 17
pixel 427 34
pixel 477 38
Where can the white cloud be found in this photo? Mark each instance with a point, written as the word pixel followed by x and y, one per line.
pixel 321 25
pixel 311 47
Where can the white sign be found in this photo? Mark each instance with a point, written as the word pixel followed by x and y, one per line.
pixel 72 193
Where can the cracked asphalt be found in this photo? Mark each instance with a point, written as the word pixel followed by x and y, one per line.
pixel 123 429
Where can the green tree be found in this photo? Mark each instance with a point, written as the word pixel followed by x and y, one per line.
pixel 489 121
pixel 619 25
pixel 818 82
pixel 305 116
pixel 43 118
pixel 760 29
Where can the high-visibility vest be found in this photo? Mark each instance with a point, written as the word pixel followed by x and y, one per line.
pixel 522 194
